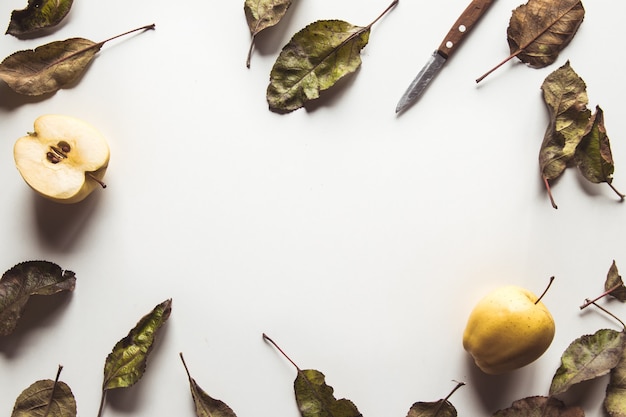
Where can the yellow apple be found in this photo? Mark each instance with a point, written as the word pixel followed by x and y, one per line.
pixel 64 159
pixel 508 329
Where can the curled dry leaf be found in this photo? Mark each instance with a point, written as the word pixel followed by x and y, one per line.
pixel 540 29
pixel 206 406
pixel 593 155
pixel 588 357
pixel 614 285
pixel 314 60
pixel 126 363
pixel 540 407
pixel 440 408
pixel 565 94
pixel 615 399
pixel 24 280
pixel 39 14
pixel 52 66
pixel 314 397
pixel 262 14
pixel 46 398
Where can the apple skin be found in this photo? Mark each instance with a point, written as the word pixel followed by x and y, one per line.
pixel 69 179
pixel 508 330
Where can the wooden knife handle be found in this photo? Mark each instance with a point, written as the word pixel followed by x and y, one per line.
pixel 463 26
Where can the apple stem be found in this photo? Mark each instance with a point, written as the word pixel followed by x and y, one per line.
pixel 93 177
pixel 267 338
pixel 588 302
pixel 608 312
pixel 546 290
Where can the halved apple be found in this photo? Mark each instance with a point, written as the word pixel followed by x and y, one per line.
pixel 64 159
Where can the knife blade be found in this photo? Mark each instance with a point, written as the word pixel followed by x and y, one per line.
pixel 457 33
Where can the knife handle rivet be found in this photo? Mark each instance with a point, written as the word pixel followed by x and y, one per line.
pixel 462 28
pixel 449 44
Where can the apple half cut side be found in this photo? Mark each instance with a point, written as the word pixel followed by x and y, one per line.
pixel 64 159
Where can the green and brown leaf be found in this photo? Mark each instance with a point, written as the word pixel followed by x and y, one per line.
pixel 38 15
pixel 565 94
pixel 588 357
pixel 206 406
pixel 126 363
pixel 314 60
pixel 593 154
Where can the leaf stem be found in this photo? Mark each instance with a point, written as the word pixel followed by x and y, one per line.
pixel 549 190
pixel 184 365
pixel 621 196
pixel 588 302
pixel 442 402
pixel 391 6
pixel 609 313
pixel 267 338
pixel 546 290
pixel 504 61
pixel 99 44
pixel 102 401
pixel 56 381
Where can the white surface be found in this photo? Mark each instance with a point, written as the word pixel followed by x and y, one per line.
pixel 356 239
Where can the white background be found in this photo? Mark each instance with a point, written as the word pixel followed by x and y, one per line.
pixel 357 240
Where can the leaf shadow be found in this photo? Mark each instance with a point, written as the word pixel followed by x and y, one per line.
pixel 40 311
pixel 128 400
pixel 331 96
pixel 60 226
pixel 271 40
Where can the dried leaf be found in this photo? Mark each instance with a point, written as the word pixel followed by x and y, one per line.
pixel 540 407
pixel 316 399
pixel 593 155
pixel 615 399
pixel 540 29
pixel 440 408
pixel 206 406
pixel 46 398
pixel 588 357
pixel 262 14
pixel 614 284
pixel 52 66
pixel 39 14
pixel 313 396
pixel 565 94
pixel 24 280
pixel 314 60
pixel 126 364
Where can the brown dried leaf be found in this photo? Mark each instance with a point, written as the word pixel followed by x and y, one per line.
pixel 52 66
pixel 540 407
pixel 614 284
pixel 262 14
pixel 540 29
